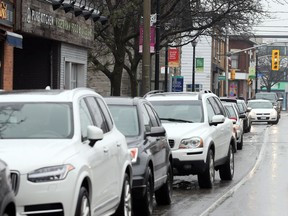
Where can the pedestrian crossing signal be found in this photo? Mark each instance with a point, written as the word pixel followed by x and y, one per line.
pixel 275 60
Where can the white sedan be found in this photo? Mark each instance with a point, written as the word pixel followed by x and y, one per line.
pixel 262 111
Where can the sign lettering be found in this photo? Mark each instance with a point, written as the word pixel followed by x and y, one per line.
pixel 39 18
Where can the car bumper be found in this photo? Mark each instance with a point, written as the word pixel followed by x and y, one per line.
pixel 188 167
pixel 57 197
pixel 264 119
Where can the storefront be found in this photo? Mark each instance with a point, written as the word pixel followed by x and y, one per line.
pixel 55 47
pixel 8 41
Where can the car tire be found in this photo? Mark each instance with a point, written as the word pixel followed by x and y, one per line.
pixel 240 144
pixel 125 205
pixel 163 195
pixel 83 203
pixel 226 170
pixel 206 179
pixel 249 128
pixel 144 205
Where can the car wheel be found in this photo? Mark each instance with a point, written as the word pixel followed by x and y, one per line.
pixel 206 179
pixel 83 203
pixel 125 205
pixel 163 196
pixel 144 205
pixel 226 170
pixel 240 144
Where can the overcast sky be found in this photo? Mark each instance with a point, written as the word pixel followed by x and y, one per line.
pixel 278 25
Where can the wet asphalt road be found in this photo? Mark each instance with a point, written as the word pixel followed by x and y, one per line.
pixel 258 180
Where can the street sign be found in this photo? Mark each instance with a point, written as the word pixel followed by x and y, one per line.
pixel 177 83
pixel 220 77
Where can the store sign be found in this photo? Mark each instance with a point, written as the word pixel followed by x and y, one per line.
pixel 6 13
pixel 38 18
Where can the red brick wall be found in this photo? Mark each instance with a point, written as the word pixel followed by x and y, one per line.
pixel 8 67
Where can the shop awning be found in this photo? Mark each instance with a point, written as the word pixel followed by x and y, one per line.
pixel 14 39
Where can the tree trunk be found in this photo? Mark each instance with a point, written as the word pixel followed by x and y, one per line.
pixel 116 81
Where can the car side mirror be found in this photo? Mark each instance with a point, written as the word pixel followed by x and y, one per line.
pixel 217 119
pixel 242 116
pixel 94 134
pixel 280 99
pixel 249 109
pixel 156 131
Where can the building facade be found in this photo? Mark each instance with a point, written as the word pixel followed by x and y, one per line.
pixel 55 47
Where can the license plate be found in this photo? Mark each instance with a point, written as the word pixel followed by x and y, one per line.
pixel 263 117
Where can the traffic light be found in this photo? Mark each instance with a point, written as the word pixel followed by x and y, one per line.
pixel 232 74
pixel 275 60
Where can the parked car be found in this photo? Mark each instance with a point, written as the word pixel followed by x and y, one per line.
pixel 263 111
pixel 237 118
pixel 273 98
pixel 65 152
pixel 242 109
pixel 7 198
pixel 199 132
pixel 148 143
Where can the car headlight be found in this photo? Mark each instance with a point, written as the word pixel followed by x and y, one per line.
pixel 134 154
pixel 193 142
pixel 47 174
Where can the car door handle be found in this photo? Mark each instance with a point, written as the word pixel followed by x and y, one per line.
pixel 118 144
pixel 106 150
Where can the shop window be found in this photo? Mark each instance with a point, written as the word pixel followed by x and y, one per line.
pixel 74 75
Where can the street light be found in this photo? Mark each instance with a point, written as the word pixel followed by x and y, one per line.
pixel 194 43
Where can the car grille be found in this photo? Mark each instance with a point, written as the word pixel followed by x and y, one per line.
pixel 263 114
pixel 52 209
pixel 15 181
pixel 171 143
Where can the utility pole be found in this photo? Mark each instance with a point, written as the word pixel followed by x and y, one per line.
pixel 157 45
pixel 145 87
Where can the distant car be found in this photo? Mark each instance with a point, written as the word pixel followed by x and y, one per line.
pixel 233 114
pixel 148 143
pixel 7 198
pixel 243 109
pixel 272 97
pixel 263 111
pixel 66 156
pixel 199 132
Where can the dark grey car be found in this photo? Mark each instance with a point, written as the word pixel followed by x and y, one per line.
pixel 7 200
pixel 152 157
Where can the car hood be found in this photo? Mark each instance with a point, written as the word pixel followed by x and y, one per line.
pixel 28 155
pixel 184 130
pixel 263 110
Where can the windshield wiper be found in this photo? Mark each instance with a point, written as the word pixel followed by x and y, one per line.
pixel 176 120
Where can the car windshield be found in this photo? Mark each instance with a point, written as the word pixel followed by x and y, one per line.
pixel 271 97
pixel 36 120
pixel 260 105
pixel 179 111
pixel 126 119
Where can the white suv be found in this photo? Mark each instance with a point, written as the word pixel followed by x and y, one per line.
pixel 199 133
pixel 65 154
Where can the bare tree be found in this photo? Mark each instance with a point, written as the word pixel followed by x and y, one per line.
pixel 268 77
pixel 116 46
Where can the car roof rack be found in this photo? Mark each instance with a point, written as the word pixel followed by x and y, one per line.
pixel 153 92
